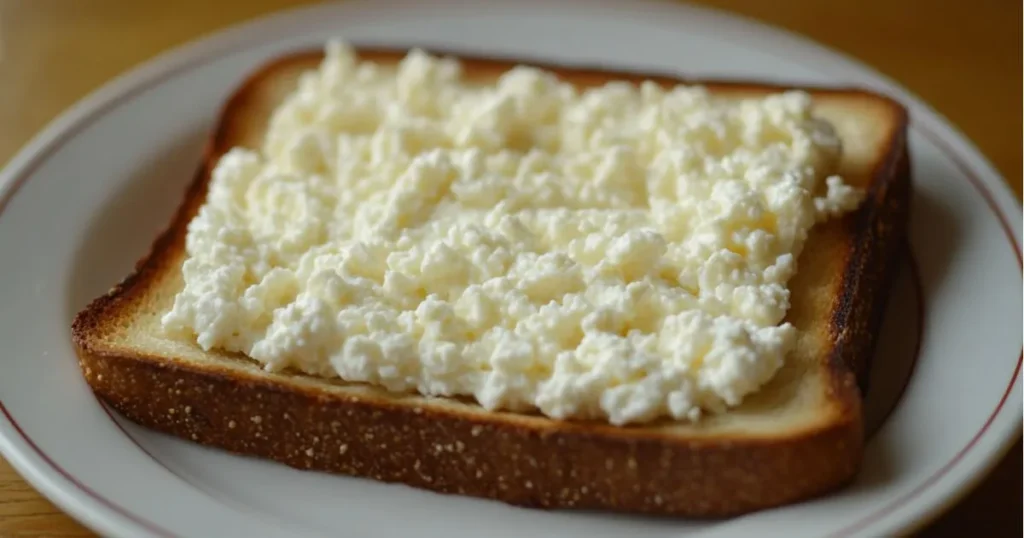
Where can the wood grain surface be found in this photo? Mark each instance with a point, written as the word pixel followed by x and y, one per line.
pixel 963 57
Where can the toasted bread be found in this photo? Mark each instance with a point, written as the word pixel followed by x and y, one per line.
pixel 800 436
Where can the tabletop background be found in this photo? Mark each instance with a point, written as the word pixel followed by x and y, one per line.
pixel 963 57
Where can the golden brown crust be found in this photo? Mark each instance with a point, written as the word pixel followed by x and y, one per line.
pixel 879 226
pixel 534 461
pixel 563 466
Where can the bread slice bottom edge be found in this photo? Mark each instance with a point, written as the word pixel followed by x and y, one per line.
pixel 563 467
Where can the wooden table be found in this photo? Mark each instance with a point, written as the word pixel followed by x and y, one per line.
pixel 963 57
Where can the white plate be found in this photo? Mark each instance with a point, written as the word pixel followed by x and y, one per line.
pixel 82 201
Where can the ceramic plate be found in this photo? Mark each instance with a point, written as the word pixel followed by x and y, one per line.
pixel 83 200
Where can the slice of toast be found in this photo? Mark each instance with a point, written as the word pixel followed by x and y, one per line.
pixel 799 436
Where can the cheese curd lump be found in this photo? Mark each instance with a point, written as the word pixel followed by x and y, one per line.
pixel 618 253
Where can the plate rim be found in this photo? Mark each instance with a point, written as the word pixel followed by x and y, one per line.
pixel 194 53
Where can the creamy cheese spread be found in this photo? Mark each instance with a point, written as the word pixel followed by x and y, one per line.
pixel 618 253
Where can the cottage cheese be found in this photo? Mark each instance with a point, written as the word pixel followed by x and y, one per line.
pixel 618 253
